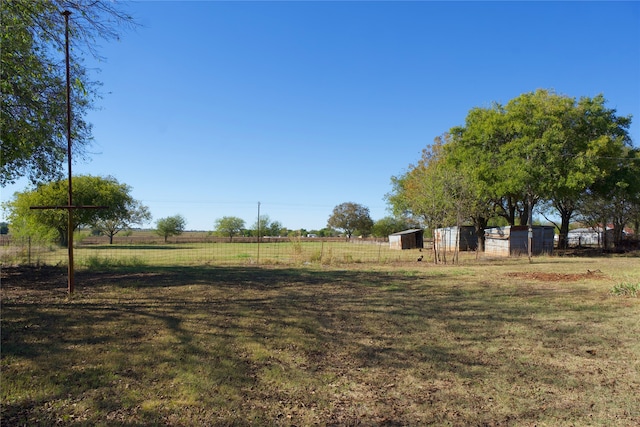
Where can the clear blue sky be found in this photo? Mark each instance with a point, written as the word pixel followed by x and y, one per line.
pixel 211 107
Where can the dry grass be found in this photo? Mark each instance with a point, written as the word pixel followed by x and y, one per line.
pixel 285 252
pixel 489 343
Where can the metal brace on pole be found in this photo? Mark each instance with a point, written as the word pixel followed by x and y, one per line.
pixel 69 207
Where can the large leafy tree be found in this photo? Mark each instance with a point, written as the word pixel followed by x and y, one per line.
pixel 615 198
pixel 540 146
pixel 229 226
pixel 350 217
pixel 135 214
pixel 474 150
pixel 170 226
pixel 33 75
pixel 594 139
pixel 87 191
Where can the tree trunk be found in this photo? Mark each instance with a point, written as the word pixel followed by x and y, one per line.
pixel 524 219
pixel 481 224
pixel 563 239
pixel 63 238
pixel 436 245
pixel 508 209
pixel 565 217
pixel 617 233
pixel 605 243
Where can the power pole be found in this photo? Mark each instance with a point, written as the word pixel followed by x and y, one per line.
pixel 530 230
pixel 70 207
pixel 71 276
pixel 258 257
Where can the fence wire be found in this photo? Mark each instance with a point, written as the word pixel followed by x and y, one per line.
pixel 94 251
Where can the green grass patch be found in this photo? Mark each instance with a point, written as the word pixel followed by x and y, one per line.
pixel 482 344
pixel 626 289
pixel 96 262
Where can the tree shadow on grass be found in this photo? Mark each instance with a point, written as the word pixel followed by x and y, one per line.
pixel 137 247
pixel 133 340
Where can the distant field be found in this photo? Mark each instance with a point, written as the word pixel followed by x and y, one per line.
pixel 200 248
pixel 484 343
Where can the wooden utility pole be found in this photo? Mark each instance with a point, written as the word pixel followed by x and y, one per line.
pixel 530 231
pixel 258 257
pixel 69 207
pixel 71 278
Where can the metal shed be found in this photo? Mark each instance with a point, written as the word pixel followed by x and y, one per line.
pixel 588 237
pixel 464 236
pixel 514 240
pixel 407 239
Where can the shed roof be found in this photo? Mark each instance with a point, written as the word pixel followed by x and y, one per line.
pixel 413 230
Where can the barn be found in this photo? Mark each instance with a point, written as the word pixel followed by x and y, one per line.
pixel 514 240
pixel 464 236
pixel 407 239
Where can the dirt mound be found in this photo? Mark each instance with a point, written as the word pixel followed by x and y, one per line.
pixel 557 277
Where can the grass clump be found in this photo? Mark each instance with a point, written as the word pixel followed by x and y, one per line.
pixel 626 289
pixel 96 262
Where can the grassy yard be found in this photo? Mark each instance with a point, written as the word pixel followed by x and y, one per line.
pixel 486 343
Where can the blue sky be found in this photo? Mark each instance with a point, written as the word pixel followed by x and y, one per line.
pixel 211 107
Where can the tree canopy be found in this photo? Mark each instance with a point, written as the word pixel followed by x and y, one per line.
pixel 136 214
pixel 33 81
pixel 266 227
pixel 351 217
pixel 541 149
pixel 229 226
pixel 170 226
pixel 88 190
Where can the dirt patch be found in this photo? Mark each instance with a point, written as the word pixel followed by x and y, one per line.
pixel 34 277
pixel 558 277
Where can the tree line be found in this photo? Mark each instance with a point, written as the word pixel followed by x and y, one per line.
pixel 121 212
pixel 564 158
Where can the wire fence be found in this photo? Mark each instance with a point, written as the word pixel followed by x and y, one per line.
pixel 185 250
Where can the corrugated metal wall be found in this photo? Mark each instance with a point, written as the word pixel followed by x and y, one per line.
pixel 506 241
pixel 447 237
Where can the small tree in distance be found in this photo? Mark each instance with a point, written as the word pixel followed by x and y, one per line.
pixel 170 226
pixel 229 226
pixel 266 227
pixel 350 217
pixel 136 214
